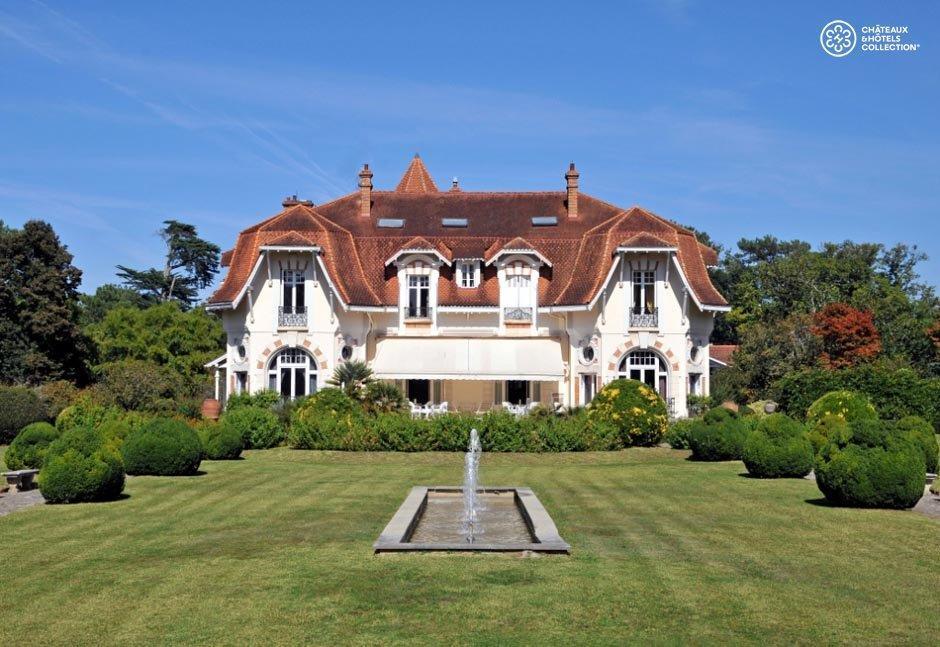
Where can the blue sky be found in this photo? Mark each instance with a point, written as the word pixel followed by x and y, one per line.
pixel 726 116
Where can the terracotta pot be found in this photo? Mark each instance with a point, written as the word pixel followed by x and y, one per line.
pixel 211 408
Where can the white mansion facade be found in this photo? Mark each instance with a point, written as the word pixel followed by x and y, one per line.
pixel 473 298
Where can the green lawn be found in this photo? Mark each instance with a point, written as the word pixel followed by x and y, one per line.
pixel 276 548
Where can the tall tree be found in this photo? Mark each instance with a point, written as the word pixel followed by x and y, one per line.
pixel 106 298
pixel 191 264
pixel 40 338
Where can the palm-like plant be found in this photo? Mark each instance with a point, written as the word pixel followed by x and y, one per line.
pixel 351 377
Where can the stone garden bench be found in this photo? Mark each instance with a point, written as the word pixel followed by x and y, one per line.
pixel 21 479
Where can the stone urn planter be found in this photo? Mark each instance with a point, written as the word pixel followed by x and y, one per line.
pixel 211 408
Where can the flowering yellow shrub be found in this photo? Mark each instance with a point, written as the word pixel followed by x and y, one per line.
pixel 634 408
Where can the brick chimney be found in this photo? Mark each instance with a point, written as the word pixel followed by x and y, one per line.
pixel 365 192
pixel 572 177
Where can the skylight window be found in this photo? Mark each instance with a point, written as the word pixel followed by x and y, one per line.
pixel 391 223
pixel 454 222
pixel 544 221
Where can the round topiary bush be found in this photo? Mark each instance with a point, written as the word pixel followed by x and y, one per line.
pixel 259 428
pixel 220 442
pixel 872 466
pixel 778 448
pixel 634 408
pixel 28 449
pixel 19 406
pixel 829 426
pixel 81 466
pixel 719 436
pixel 163 447
pixel 921 433
pixel 848 405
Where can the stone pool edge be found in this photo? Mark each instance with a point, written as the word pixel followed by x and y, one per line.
pixel 394 537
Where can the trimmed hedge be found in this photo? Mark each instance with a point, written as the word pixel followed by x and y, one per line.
pixel 81 466
pixel 719 435
pixel 778 448
pixel 872 466
pixel 634 408
pixel 848 405
pixel 919 431
pixel 262 400
pixel 220 442
pixel 895 393
pixel 162 447
pixel 28 449
pixel 19 406
pixel 259 428
pixel 334 425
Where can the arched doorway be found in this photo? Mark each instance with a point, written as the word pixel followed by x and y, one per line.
pixel 648 367
pixel 293 373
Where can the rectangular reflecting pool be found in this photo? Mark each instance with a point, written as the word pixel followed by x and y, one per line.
pixel 512 519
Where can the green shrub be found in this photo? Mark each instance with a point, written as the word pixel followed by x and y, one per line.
pixel 895 393
pixel 323 420
pixel 164 447
pixel 86 413
pixel 680 432
pixel 634 408
pixel 19 406
pixel 451 432
pixel 383 397
pixel 261 400
pixel 718 436
pixel 28 449
pixel 219 442
pixel 501 431
pixel 871 466
pixel 114 432
pixel 920 432
pixel 138 385
pixel 829 426
pixel 259 428
pixel 847 405
pixel 778 448
pixel 81 466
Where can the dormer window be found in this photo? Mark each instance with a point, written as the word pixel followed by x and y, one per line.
pixel 419 297
pixel 293 309
pixel 468 274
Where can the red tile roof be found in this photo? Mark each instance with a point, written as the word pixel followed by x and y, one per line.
pixel 722 352
pixel 355 249
pixel 416 179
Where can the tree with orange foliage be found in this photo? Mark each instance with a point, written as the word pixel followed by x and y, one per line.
pixel 848 335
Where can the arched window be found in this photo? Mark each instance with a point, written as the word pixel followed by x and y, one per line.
pixel 647 367
pixel 292 372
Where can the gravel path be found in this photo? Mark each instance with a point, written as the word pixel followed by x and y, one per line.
pixel 13 501
pixel 929 505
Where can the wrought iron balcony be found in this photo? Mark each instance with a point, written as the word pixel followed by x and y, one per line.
pixel 292 316
pixel 644 317
pixel 517 314
pixel 418 312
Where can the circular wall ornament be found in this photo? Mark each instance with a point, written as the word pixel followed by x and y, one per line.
pixel 587 351
pixel 346 353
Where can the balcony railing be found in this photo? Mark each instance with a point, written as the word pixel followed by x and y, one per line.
pixel 292 316
pixel 418 312
pixel 517 314
pixel 644 317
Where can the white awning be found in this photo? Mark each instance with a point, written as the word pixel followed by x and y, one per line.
pixel 433 358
